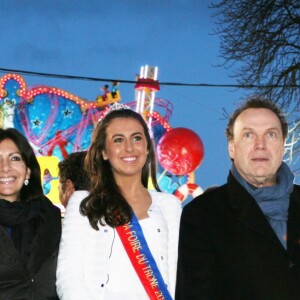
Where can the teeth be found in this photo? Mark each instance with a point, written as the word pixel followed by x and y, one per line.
pixel 129 158
pixel 6 179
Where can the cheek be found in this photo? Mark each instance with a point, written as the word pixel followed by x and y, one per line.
pixel 143 148
pixel 281 152
pixel 240 151
pixel 23 171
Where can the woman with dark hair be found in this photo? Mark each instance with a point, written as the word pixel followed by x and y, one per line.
pixel 30 225
pixel 120 242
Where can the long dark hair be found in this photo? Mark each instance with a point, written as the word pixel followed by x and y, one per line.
pixel 34 188
pixel 106 204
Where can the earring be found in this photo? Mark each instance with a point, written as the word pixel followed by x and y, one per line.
pixel 26 181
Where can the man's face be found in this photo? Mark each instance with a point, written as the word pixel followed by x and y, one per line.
pixel 257 147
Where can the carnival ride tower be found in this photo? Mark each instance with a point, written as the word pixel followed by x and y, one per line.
pixel 146 87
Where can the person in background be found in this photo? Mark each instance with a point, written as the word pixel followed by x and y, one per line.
pixel 105 90
pixel 241 240
pixel 121 241
pixel 72 177
pixel 30 225
pixel 114 88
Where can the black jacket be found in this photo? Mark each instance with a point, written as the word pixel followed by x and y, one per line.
pixel 228 250
pixel 36 281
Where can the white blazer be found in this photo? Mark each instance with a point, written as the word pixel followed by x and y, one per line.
pixel 83 261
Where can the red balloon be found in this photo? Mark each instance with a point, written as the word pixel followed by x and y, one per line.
pixel 180 151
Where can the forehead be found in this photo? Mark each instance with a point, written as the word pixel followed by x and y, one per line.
pixel 10 145
pixel 257 118
pixel 124 125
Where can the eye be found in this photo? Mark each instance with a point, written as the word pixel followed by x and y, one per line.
pixel 118 140
pixel 16 157
pixel 137 138
pixel 248 134
pixel 272 134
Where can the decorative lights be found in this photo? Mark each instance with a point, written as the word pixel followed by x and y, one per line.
pixel 28 95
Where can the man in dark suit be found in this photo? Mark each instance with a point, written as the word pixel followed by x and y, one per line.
pixel 241 241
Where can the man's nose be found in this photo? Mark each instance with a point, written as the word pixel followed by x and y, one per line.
pixel 260 143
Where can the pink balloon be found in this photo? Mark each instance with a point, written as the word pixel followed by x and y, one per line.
pixel 180 151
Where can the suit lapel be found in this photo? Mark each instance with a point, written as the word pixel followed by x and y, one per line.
pixel 294 226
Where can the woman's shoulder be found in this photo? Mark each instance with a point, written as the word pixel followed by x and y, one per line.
pixel 165 199
pixel 164 195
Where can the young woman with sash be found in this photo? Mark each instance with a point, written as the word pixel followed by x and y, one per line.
pixel 121 241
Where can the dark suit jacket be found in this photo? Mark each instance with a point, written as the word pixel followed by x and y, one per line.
pixel 228 250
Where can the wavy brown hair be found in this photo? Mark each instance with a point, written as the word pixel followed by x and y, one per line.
pixel 106 204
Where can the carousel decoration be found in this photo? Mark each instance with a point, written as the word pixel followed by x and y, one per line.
pixel 57 123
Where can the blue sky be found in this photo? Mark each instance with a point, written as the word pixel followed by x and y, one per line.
pixel 113 39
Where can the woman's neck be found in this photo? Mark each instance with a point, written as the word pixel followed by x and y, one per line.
pixel 137 197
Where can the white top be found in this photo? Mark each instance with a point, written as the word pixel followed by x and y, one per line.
pixel 94 264
pixel 124 282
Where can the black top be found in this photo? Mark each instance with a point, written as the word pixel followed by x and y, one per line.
pixel 34 280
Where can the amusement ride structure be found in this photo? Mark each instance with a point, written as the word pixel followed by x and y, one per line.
pixel 57 123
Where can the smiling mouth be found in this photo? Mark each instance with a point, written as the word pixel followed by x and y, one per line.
pixel 6 179
pixel 129 159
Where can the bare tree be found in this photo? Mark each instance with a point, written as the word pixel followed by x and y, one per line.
pixel 292 147
pixel 260 39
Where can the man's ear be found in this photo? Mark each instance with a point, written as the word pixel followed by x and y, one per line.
pixel 231 149
pixel 69 186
